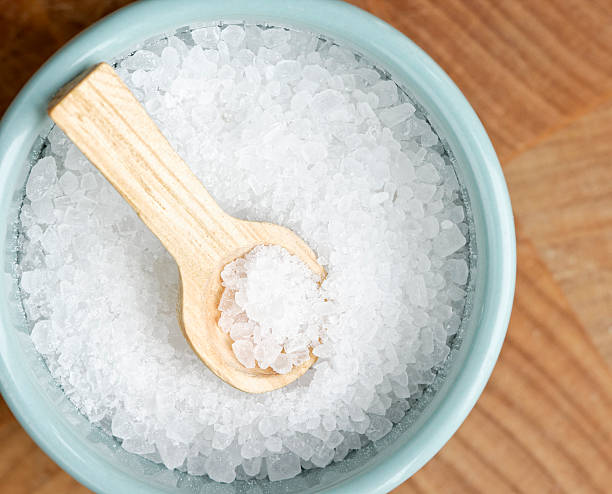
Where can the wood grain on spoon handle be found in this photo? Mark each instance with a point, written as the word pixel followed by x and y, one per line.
pixel 102 117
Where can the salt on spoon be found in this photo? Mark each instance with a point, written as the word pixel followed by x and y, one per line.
pixel 102 117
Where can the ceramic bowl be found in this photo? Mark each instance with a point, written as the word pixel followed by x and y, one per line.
pixel 94 458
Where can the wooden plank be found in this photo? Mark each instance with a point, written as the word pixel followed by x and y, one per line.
pixel 562 194
pixel 524 65
pixel 32 30
pixel 543 422
pixel 24 468
pixel 530 69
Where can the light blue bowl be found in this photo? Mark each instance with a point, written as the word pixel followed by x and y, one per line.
pixel 95 459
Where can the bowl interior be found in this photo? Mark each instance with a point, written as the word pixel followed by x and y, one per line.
pixel 95 458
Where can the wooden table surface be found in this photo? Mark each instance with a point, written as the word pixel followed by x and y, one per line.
pixel 539 74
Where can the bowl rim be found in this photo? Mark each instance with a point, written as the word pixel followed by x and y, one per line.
pixel 334 16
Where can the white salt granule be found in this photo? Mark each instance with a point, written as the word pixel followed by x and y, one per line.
pixel 272 308
pixel 280 126
pixel 42 176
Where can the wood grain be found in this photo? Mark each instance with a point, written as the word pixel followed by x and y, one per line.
pixel 562 194
pixel 539 75
pixel 526 66
pixel 543 422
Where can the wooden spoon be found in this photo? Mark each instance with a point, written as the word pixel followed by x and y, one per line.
pixel 104 119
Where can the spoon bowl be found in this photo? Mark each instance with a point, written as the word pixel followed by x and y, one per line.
pixel 102 117
pixel 216 344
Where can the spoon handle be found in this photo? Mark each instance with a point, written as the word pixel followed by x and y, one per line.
pixel 102 117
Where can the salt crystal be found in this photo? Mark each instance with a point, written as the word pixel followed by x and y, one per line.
pixel 281 364
pixel 448 241
pixel 379 427
pixel 387 93
pixel 252 466
pixel 299 446
pixel 429 139
pixel 34 233
pixel 428 173
pixel 268 426
pixel 244 353
pixel 138 446
pixel 178 44
pixel 322 457
pixel 316 73
pixel 170 58
pixel 370 76
pixel 43 210
pixel 58 140
pixel 238 330
pixel 431 227
pixel 334 440
pixel 172 454
pixel 396 115
pixel 196 465
pixel 326 100
pixel 455 293
pixel 283 466
pixel 141 59
pixel 274 37
pixel 219 467
pixel 122 425
pixel 287 70
pixel 274 444
pixel 88 181
pixel 415 208
pixel 41 338
pixel 221 440
pixel 259 283
pixel 458 270
pixel 424 192
pixel 50 241
pixel 456 214
pixel 42 176
pixel 300 101
pixel 427 344
pixel 74 160
pixel 206 37
pixel 69 182
pixel 314 152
